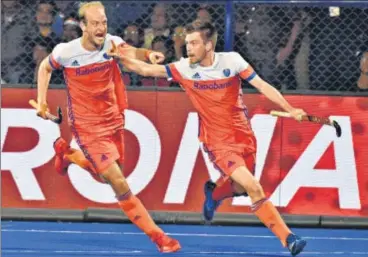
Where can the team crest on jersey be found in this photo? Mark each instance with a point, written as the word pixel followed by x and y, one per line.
pixel 106 56
pixel 226 72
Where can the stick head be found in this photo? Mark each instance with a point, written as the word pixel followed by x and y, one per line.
pixel 59 117
pixel 337 127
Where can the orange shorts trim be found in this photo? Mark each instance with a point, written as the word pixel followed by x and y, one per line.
pixel 102 151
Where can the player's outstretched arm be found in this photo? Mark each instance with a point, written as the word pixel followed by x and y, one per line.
pixel 149 55
pixel 142 54
pixel 44 76
pixel 275 96
pixel 142 68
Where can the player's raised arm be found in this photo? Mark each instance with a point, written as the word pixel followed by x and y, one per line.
pixel 141 54
pixel 144 69
pixel 152 56
pixel 135 65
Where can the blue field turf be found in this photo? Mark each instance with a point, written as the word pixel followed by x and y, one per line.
pixel 28 239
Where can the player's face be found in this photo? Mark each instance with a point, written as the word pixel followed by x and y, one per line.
pixel 196 47
pixel 96 25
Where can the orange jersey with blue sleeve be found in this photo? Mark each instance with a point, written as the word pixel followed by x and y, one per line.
pixel 216 94
pixel 95 89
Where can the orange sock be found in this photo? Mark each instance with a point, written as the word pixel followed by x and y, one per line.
pixel 270 217
pixel 137 213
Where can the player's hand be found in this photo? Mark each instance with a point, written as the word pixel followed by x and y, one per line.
pixel 156 57
pixel 42 108
pixel 297 114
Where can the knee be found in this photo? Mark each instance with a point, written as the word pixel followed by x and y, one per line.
pixel 116 182
pixel 113 175
pixel 254 189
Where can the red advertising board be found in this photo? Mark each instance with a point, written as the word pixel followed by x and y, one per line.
pixel 304 167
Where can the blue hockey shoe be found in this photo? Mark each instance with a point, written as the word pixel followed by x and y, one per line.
pixel 295 244
pixel 210 205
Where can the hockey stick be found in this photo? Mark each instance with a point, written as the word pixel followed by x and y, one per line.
pixel 312 118
pixel 57 119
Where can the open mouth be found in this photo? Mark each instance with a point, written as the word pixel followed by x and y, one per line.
pixel 100 35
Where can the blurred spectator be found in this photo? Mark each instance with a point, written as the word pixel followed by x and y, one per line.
pixel 41 48
pixel 300 64
pixel 214 13
pixel 318 47
pixel 333 61
pixel 183 13
pixel 72 30
pixel 270 42
pixel 13 29
pixel 179 42
pixel 204 15
pixel 133 35
pixel 363 78
pixel 125 12
pixel 45 15
pixel 39 30
pixel 68 8
pixel 159 24
pixel 287 65
pixel 164 45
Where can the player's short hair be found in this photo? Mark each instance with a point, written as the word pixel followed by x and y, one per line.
pixel 207 29
pixel 84 6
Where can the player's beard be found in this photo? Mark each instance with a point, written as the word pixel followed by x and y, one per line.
pixel 193 60
pixel 197 60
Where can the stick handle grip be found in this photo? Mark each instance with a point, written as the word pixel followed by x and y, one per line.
pixel 281 114
pixel 34 104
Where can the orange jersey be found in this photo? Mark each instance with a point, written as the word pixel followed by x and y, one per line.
pixel 216 94
pixel 96 92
